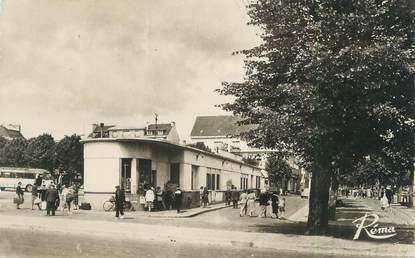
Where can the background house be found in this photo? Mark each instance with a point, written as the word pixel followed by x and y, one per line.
pixel 11 132
pixel 222 135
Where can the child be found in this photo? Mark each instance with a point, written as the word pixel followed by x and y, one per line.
pixel 384 202
pixel 281 207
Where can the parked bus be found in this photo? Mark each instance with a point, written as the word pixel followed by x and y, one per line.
pixel 10 177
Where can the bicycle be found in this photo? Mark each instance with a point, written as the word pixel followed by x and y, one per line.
pixel 110 205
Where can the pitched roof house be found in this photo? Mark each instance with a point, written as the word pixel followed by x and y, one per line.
pixel 11 132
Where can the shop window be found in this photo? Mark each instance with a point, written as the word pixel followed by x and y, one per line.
pixel 175 173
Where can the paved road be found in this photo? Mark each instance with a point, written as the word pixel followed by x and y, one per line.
pixel 26 243
pixel 227 219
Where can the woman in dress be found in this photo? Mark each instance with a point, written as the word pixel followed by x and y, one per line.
pixel 150 198
pixel 20 194
pixel 251 203
pixel 205 197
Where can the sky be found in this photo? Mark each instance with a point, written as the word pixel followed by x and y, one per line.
pixel 65 65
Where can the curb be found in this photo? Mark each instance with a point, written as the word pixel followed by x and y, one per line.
pixel 190 214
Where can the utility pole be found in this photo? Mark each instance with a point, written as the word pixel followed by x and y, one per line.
pixel 156 118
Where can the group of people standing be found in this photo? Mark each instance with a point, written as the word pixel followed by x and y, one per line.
pixel 266 200
pixel 51 197
pixel 156 199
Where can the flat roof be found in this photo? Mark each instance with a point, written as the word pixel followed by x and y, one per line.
pixel 166 144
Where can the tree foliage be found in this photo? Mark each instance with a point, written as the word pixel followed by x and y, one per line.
pixel 12 154
pixel 250 161
pixel 200 146
pixel 332 81
pixel 40 152
pixel 69 155
pixel 277 169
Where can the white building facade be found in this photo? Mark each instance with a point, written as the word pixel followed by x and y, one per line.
pixel 137 162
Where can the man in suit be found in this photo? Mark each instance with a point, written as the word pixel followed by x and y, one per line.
pixel 119 202
pixel 51 196
pixel 235 198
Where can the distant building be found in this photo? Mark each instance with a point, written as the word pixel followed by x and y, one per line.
pixel 222 135
pixel 166 132
pixel 11 132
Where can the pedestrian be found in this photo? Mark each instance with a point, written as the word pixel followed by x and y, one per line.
pixel 19 195
pixel 384 203
pixel 201 195
pixel 205 197
pixel 119 202
pixel 35 197
pixel 235 198
pixel 67 198
pixel 263 203
pixel 178 199
pixel 389 194
pixel 75 188
pixel 159 199
pixel 281 207
pixel 42 191
pixel 52 197
pixel 38 180
pixel 251 203
pixel 243 198
pixel 274 205
pixel 228 197
pixel 149 198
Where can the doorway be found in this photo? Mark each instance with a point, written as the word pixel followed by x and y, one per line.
pixel 125 179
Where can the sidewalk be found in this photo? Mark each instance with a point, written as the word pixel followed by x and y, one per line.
pixel 201 236
pixel 185 213
pixel 397 215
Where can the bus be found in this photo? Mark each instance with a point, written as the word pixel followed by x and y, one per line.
pixel 11 176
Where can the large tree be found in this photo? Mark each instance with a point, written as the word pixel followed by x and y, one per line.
pixel 3 142
pixel 332 81
pixel 40 152
pixel 277 169
pixel 12 154
pixel 69 155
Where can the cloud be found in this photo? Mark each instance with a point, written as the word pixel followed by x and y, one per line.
pixel 115 60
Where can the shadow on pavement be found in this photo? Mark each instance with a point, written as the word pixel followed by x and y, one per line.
pixel 336 231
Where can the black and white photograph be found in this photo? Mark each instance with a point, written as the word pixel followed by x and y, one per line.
pixel 204 129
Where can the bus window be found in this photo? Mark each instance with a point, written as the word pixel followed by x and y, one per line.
pixel 29 175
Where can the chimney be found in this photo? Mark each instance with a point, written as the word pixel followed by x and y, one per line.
pixel 94 126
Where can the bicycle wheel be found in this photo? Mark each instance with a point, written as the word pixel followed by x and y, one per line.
pixel 127 206
pixel 108 206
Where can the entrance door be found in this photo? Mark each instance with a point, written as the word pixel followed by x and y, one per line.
pixel 175 173
pixel 126 174
pixel 144 173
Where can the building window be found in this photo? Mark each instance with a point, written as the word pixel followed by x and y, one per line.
pixel 209 181
pixel 175 173
pixel 213 179
pixel 258 182
pixel 195 177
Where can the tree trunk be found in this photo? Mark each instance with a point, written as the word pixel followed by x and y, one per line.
pixel 333 196
pixel 411 188
pixel 319 197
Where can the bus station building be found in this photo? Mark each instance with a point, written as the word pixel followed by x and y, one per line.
pixel 137 159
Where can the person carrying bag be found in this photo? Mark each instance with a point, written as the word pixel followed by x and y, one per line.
pixel 19 199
